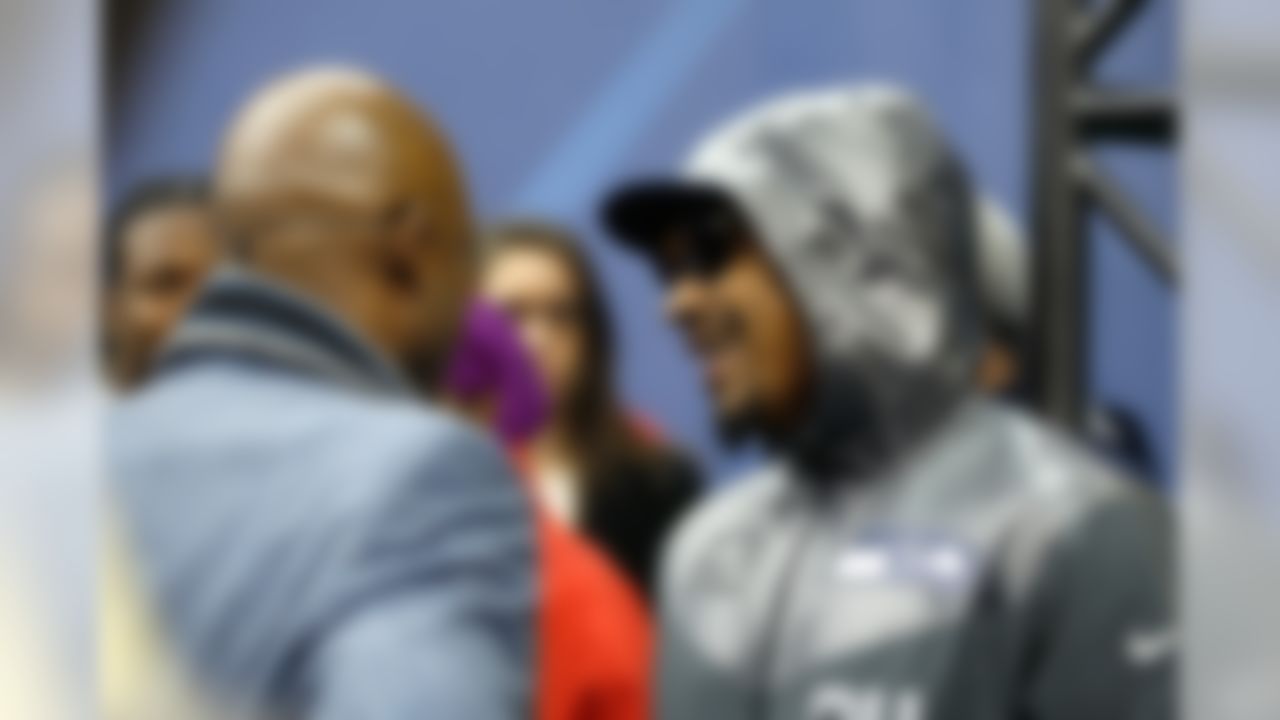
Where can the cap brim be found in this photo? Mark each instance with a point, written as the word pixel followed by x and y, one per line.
pixel 640 213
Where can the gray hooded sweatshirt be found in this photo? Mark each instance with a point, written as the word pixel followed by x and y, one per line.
pixel 914 550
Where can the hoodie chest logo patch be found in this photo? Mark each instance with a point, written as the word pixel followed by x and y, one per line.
pixel 941 565
pixel 882 588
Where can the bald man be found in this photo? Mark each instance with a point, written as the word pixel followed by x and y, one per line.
pixel 320 540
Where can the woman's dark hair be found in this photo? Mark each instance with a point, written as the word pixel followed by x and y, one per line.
pixel 600 431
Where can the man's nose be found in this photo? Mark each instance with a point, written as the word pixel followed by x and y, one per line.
pixel 684 296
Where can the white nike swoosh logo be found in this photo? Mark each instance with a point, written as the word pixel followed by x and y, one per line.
pixel 1147 647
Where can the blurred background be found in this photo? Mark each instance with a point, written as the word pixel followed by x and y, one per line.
pixel 551 103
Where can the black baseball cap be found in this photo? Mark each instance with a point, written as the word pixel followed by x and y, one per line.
pixel 641 212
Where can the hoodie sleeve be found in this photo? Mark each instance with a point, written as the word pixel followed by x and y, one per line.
pixel 1103 641
pixel 441 620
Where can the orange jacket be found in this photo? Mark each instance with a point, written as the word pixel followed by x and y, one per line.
pixel 595 642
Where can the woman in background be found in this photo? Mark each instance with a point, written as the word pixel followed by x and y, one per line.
pixel 595 640
pixel 595 467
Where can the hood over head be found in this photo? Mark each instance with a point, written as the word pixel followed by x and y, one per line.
pixel 868 216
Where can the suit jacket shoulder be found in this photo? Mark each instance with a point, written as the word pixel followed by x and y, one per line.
pixel 264 506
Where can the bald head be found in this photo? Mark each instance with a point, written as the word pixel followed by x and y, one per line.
pixel 333 182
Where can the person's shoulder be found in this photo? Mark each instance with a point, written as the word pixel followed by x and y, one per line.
pixel 411 424
pixel 300 432
pixel 588 580
pixel 425 443
pixel 408 474
pixel 1074 503
pixel 1059 469
pixel 737 507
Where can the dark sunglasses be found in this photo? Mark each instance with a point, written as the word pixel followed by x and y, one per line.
pixel 699 248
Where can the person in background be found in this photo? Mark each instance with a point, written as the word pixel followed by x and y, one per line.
pixel 320 539
pixel 161 244
pixel 596 467
pixel 914 549
pixel 1004 274
pixel 595 641
pixel 1004 287
pixel 50 403
pixel 1119 434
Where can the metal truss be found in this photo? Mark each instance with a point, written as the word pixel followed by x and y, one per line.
pixel 1072 112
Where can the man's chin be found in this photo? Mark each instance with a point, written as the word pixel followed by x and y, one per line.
pixel 738 425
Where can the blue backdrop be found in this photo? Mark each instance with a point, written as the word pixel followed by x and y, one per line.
pixel 552 101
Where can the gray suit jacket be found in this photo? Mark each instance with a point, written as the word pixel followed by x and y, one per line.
pixel 318 542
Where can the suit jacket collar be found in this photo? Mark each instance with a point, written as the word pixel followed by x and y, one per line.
pixel 247 315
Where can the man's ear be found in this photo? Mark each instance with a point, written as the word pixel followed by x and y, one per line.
pixel 405 239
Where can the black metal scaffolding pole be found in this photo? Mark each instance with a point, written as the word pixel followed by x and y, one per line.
pixel 1071 112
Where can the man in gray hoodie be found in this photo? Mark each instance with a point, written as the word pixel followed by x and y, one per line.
pixel 913 550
